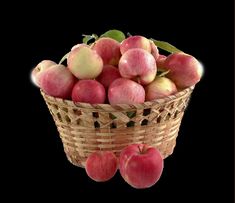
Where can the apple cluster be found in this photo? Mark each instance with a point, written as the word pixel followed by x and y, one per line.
pixel 107 71
pixel 140 165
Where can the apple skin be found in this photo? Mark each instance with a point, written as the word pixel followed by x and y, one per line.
pixel 108 49
pixel 79 45
pixel 135 42
pixel 125 91
pixel 140 165
pixel 39 68
pixel 154 50
pixel 58 81
pixel 159 88
pixel 184 69
pixel 101 165
pixel 88 91
pixel 108 75
pixel 84 63
pixel 139 65
pixel 161 62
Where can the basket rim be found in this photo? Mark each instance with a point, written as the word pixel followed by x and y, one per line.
pixel 66 102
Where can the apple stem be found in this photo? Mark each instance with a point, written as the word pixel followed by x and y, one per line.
pixel 143 149
pixel 140 150
pixel 64 58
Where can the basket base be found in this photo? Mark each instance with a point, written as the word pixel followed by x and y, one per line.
pixel 76 160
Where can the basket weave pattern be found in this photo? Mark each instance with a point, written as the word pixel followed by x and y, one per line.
pixel 85 128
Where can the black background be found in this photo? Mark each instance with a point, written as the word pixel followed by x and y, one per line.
pixel 201 167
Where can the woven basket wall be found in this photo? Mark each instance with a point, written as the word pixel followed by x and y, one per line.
pixel 85 128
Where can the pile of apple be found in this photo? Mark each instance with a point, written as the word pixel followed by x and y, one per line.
pixel 126 72
pixel 120 71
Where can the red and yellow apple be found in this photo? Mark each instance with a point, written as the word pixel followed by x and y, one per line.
pixel 159 88
pixel 84 63
pixel 135 42
pixel 184 69
pixel 108 49
pixel 36 72
pixel 161 61
pixel 125 91
pixel 57 81
pixel 139 65
pixel 154 50
pixel 79 45
pixel 140 165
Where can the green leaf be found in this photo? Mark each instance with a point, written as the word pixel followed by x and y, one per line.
pixel 114 34
pixel 64 58
pixel 163 73
pixel 165 46
pixel 87 38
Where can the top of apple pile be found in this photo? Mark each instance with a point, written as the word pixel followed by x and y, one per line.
pixel 118 70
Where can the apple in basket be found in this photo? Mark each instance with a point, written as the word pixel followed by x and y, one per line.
pixel 184 69
pixel 89 91
pixel 138 64
pixel 154 50
pixel 84 62
pixel 101 165
pixel 37 71
pixel 125 91
pixel 140 165
pixel 108 49
pixel 159 88
pixel 57 81
pixel 108 75
pixel 161 61
pixel 135 42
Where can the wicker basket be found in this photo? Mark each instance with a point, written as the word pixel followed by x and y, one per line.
pixel 85 128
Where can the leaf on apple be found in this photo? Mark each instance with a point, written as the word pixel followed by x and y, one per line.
pixel 165 46
pixel 162 72
pixel 87 38
pixel 114 34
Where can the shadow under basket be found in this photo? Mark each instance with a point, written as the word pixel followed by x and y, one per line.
pixel 85 128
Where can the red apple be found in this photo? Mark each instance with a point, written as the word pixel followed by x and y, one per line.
pixel 84 63
pixel 36 72
pixel 108 75
pixel 161 61
pixel 79 45
pixel 140 165
pixel 185 70
pixel 58 81
pixel 139 65
pixel 101 165
pixel 125 91
pixel 135 42
pixel 108 49
pixel 154 50
pixel 88 91
pixel 159 88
